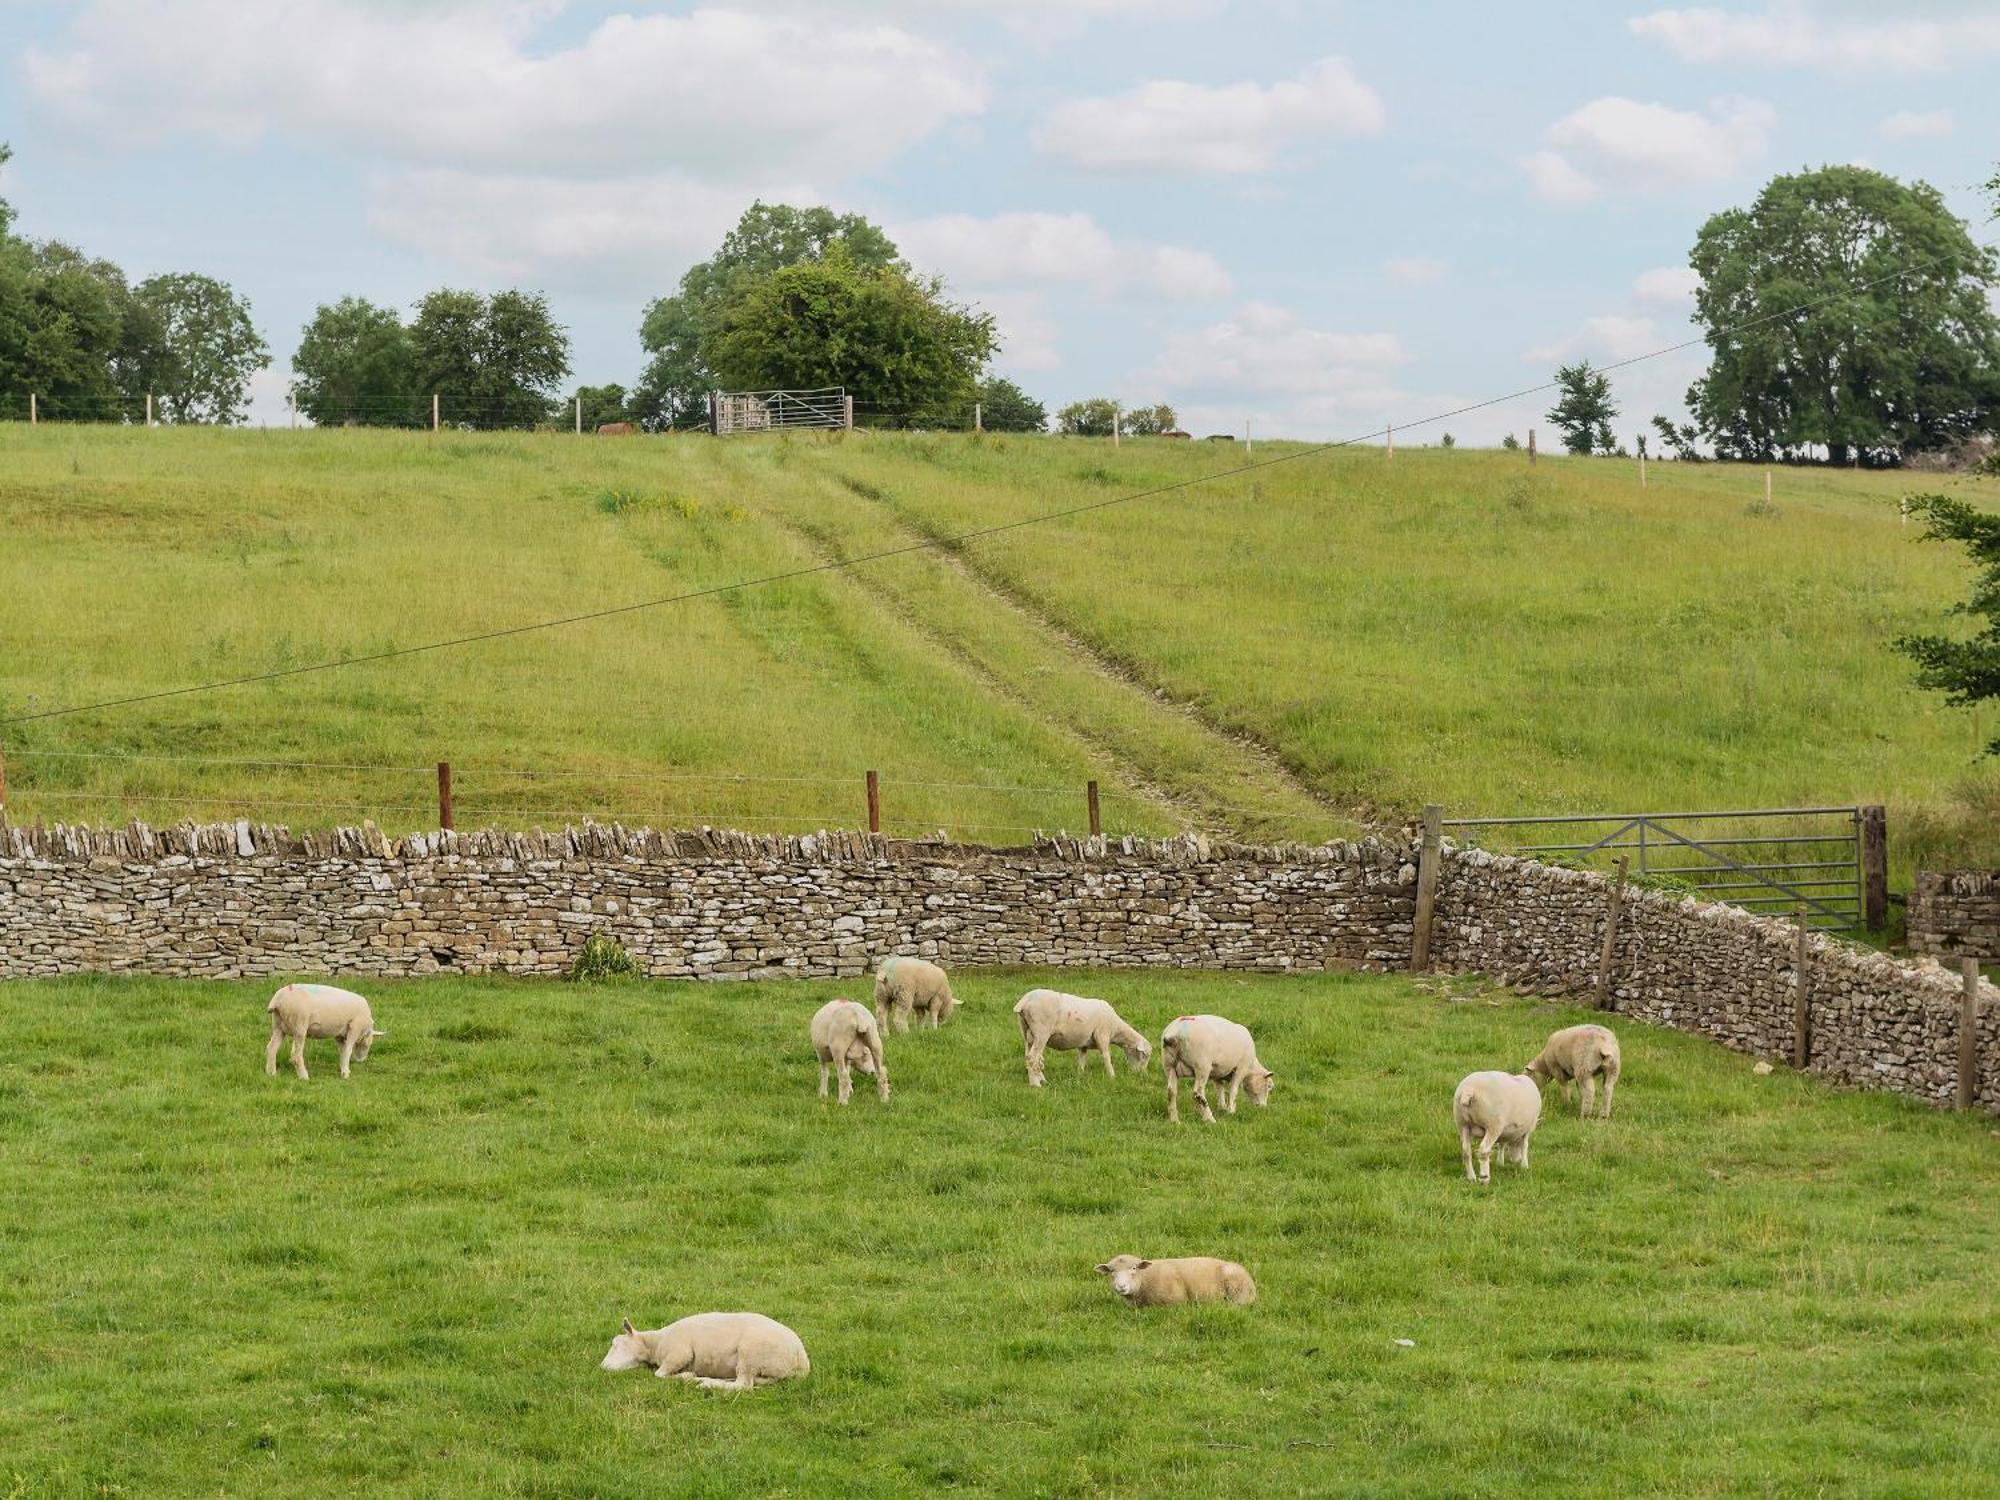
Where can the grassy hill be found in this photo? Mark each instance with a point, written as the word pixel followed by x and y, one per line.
pixel 1272 654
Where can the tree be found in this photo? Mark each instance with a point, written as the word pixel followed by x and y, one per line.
pixel 1584 408
pixel 678 331
pixel 1005 407
pixel 355 365
pixel 63 323
pixel 1679 441
pixel 1893 348
pixel 208 349
pixel 1510 442
pixel 1150 421
pixel 900 347
pixel 6 208
pixel 492 361
pixel 1093 417
pixel 601 404
pixel 1965 671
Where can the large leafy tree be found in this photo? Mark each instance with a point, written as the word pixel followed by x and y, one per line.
pixel 1005 407
pixel 1584 409
pixel 904 351
pixel 1150 421
pixel 491 361
pixel 1966 671
pixel 207 350
pixel 1095 416
pixel 600 404
pixel 678 331
pixel 1895 347
pixel 355 365
pixel 64 321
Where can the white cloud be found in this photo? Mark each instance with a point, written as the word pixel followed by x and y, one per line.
pixel 1903 38
pixel 1265 350
pixel 1909 124
pixel 1615 145
pixel 1415 270
pixel 1225 130
pixel 1027 249
pixel 1667 286
pixel 468 84
pixel 1603 339
pixel 1030 337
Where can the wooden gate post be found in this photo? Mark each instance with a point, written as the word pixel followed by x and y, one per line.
pixel 874 803
pixel 3 786
pixel 1611 913
pixel 1801 1004
pixel 1874 832
pixel 1090 796
pixel 1968 1034
pixel 1427 881
pixel 444 794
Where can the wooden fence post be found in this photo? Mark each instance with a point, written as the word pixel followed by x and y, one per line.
pixel 978 418
pixel 1531 445
pixel 34 409
pixel 434 411
pixel 1801 999
pixel 444 794
pixel 149 409
pixel 1390 432
pixel 579 416
pixel 1089 793
pixel 847 413
pixel 3 786
pixel 1427 881
pixel 1968 1034
pixel 874 803
pixel 1611 914
pixel 1874 867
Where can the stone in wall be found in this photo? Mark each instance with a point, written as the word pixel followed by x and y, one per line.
pixel 1956 914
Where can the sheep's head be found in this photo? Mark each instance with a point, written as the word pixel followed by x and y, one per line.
pixel 1259 1084
pixel 1538 1070
pixel 1138 1051
pixel 1124 1273
pixel 361 1047
pixel 629 1350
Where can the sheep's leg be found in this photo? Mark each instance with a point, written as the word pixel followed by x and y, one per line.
pixel 346 1051
pixel 1104 1046
pixel 1586 1087
pixel 1235 1087
pixel 1465 1151
pixel 846 1073
pixel 1201 1093
pixel 1082 1060
pixel 902 1014
pixel 1521 1153
pixel 1610 1083
pixel 1486 1152
pixel 1038 1043
pixel 881 1069
pixel 1173 1092
pixel 271 1052
pixel 299 1055
pixel 822 1077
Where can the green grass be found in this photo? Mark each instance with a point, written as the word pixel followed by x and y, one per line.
pixel 1270 655
pixel 218 1283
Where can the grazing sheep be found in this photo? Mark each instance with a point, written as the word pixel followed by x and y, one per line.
pixel 906 984
pixel 1167 1283
pixel 1581 1055
pixel 302 1010
pixel 1501 1109
pixel 1049 1018
pixel 718 1350
pixel 844 1034
pixel 1204 1047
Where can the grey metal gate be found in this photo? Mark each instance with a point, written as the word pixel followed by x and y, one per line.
pixel 770 411
pixel 1829 860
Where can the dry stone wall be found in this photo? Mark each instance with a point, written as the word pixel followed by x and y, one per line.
pixel 236 901
pixel 1956 914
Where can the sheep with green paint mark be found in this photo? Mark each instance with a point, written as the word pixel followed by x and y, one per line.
pixel 912 985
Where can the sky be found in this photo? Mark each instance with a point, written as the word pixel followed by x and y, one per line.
pixel 1314 218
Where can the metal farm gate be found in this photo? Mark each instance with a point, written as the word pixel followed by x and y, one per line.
pixel 1832 861
pixel 771 411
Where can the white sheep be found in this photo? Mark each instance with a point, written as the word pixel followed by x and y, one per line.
pixel 844 1034
pixel 1502 1109
pixel 1074 1023
pixel 1205 1047
pixel 302 1010
pixel 1579 1055
pixel 718 1350
pixel 903 985
pixel 1167 1283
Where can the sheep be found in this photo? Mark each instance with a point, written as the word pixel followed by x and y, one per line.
pixel 302 1010
pixel 721 1351
pixel 1168 1283
pixel 1204 1047
pixel 906 984
pixel 844 1034
pixel 1501 1109
pixel 1579 1054
pixel 1049 1018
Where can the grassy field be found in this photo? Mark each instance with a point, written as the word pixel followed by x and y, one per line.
pixel 222 1284
pixel 1272 655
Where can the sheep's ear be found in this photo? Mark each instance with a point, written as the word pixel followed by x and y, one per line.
pixel 628 1327
pixel 1104 1270
pixel 1142 1265
pixel 373 1032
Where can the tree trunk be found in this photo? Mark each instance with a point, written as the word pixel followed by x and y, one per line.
pixel 1836 454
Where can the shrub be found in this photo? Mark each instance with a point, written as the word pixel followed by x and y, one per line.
pixel 600 957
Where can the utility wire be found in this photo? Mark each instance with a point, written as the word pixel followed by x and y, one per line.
pixel 930 544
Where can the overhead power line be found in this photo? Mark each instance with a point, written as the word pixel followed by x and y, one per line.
pixel 957 539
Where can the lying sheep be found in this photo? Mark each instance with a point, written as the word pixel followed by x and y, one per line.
pixel 1579 1054
pixel 844 1034
pixel 1049 1018
pixel 1167 1283
pixel 903 985
pixel 302 1010
pixel 722 1351
pixel 1204 1047
pixel 1501 1109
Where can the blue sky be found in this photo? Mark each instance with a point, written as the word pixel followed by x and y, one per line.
pixel 1319 217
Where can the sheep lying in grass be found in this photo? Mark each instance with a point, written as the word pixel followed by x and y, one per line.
pixel 1501 1109
pixel 1205 1047
pixel 903 985
pixel 1167 1283
pixel 302 1010
pixel 1073 1023
pixel 844 1034
pixel 722 1351
pixel 1580 1055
